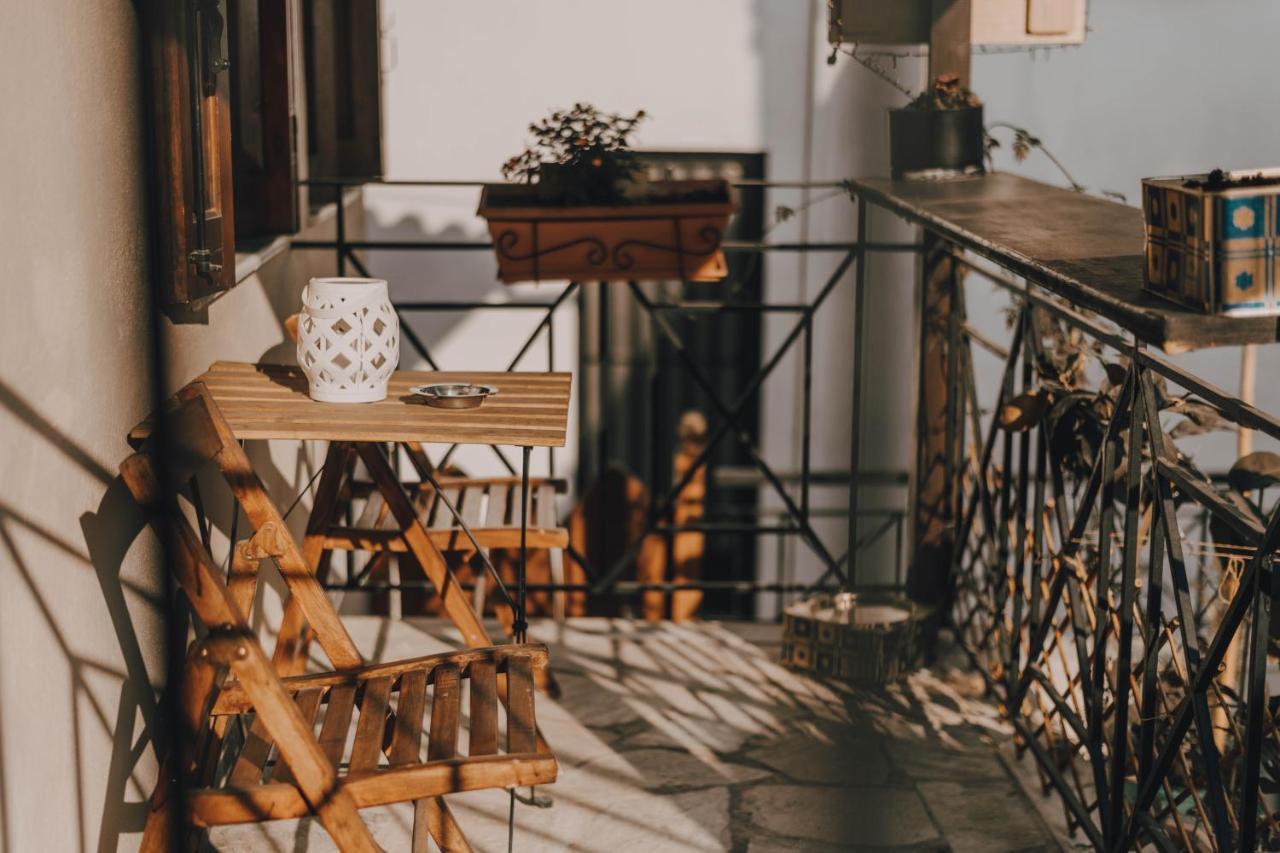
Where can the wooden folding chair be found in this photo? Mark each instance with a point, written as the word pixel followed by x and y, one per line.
pixel 488 506
pixel 258 747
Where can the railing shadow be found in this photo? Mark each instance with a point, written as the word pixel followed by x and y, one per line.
pixel 109 533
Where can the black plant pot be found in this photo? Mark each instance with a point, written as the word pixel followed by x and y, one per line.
pixel 921 140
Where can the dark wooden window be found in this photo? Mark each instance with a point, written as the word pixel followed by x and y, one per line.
pixel 344 107
pixel 263 151
pixel 192 223
pixel 221 78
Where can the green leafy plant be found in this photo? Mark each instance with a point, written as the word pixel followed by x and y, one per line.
pixel 579 156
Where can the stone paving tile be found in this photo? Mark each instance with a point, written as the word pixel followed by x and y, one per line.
pixel 802 758
pixel 676 769
pixel 868 817
pixel 692 737
pixel 924 760
pixel 985 817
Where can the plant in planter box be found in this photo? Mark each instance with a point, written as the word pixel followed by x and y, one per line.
pixel 580 207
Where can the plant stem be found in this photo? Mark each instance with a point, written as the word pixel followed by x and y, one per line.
pixel 1078 187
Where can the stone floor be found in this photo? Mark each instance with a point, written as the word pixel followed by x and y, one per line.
pixel 691 737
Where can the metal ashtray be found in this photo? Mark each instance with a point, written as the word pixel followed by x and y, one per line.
pixel 454 396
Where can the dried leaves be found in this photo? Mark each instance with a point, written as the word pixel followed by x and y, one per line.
pixel 585 151
pixel 1024 411
pixel 1258 470
pixel 946 93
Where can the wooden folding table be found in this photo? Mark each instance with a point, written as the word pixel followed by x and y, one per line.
pixel 270 402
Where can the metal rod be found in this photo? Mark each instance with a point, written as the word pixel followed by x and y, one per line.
pixel 701 459
pixel 629 587
pixel 1129 571
pixel 1261 592
pixel 543 323
pixel 521 626
pixel 858 324
pixel 728 246
pixel 730 415
pixel 377 180
pixel 471 537
pixel 341 241
pixel 806 413
pixel 471 306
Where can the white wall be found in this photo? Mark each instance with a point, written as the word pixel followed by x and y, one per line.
pixel 464 80
pixel 81 629
pixel 1160 87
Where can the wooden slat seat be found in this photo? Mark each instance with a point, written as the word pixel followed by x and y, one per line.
pixel 490 507
pixel 370 724
pixel 261 746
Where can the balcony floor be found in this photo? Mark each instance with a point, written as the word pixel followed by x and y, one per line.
pixel 690 737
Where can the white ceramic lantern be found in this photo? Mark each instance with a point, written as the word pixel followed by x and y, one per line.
pixel 348 339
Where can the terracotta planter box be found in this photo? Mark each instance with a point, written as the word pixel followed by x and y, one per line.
pixel 660 240
pixel 1214 250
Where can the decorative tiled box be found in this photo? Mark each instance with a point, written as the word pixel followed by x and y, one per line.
pixel 875 641
pixel 1215 249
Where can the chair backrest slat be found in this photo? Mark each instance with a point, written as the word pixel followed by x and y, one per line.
pixel 521 728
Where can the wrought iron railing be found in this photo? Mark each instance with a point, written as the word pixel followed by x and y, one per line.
pixel 794 520
pixel 1101 582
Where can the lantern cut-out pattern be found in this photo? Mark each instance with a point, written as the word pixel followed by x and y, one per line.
pixel 348 339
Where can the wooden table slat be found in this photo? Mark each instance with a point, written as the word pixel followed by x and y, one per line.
pixel 271 402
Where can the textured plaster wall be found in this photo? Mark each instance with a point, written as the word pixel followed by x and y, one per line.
pixel 80 625
pixel 80 632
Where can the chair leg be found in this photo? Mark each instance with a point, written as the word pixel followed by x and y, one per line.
pixel 556 557
pixel 432 817
pixel 482 585
pixel 163 826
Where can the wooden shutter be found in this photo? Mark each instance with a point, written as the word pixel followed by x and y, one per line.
pixel 344 103
pixel 192 223
pixel 262 118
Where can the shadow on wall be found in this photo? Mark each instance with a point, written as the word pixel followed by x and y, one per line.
pixel 436 276
pixel 136 607
pixel 109 532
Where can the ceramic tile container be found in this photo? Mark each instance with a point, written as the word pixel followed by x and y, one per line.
pixel 868 638
pixel 1214 249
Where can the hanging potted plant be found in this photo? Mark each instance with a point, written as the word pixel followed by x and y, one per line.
pixel 578 206
pixel 939 133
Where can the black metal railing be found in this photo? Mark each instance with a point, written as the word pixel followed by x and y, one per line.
pixel 796 517
pixel 1101 581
